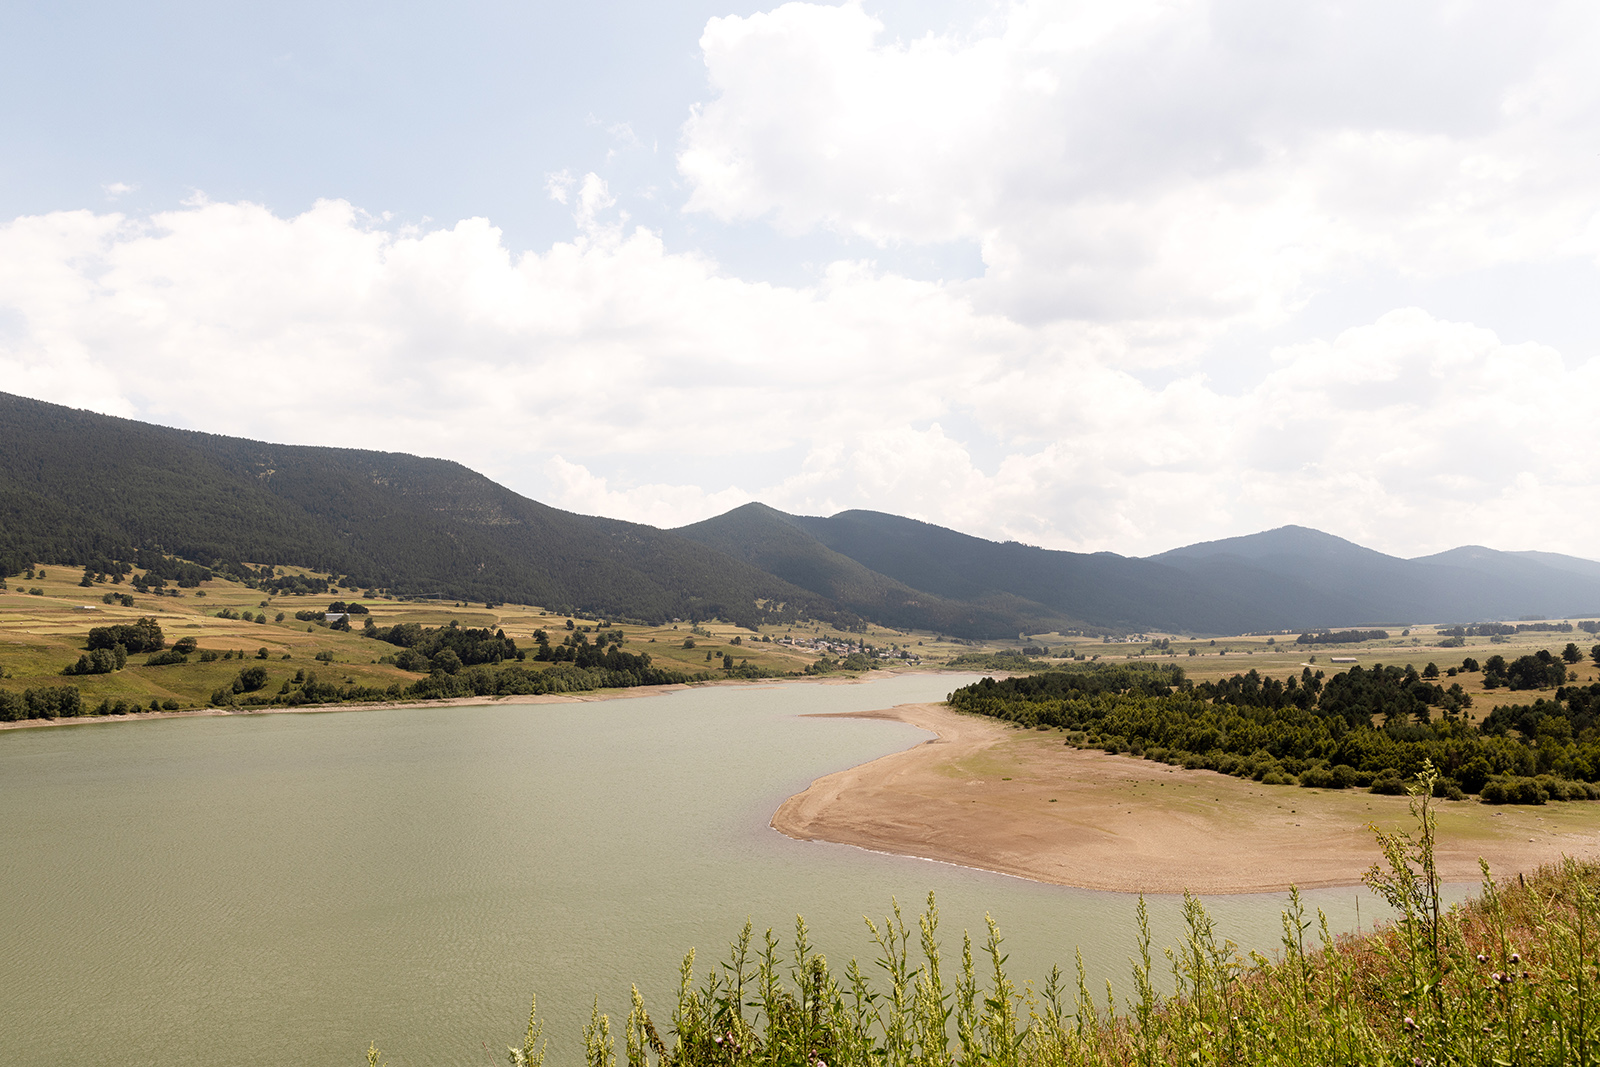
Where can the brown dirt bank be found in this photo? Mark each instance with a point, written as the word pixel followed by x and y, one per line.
pixel 987 795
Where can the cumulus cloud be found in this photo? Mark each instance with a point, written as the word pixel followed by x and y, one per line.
pixel 667 506
pixel 1408 432
pixel 1174 168
pixel 1146 181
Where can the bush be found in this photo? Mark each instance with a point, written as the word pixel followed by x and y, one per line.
pixel 1323 777
pixel 1563 789
pixel 1388 784
pixel 1512 789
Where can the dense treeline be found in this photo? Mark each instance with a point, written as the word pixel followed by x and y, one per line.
pixel 476 681
pixel 43 702
pixel 615 670
pixel 1367 727
pixel 1505 629
pixel 1341 637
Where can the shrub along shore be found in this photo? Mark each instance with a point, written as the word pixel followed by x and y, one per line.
pixel 1508 978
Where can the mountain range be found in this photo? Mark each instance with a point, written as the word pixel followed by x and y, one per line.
pixel 76 486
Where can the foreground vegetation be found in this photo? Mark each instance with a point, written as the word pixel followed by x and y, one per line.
pixel 1365 727
pixel 1507 979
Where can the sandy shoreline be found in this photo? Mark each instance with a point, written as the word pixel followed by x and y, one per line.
pixel 986 795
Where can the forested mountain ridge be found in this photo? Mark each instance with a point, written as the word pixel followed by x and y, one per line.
pixel 782 545
pixel 1319 576
pixel 1291 578
pixel 76 486
pixel 1102 589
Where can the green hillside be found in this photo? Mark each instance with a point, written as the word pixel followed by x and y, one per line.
pixel 80 488
pixel 76 487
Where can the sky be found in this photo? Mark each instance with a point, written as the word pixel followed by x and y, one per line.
pixel 1101 276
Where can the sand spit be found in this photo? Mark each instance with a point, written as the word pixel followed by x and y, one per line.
pixel 987 795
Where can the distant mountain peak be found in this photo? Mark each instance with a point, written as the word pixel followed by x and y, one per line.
pixel 1283 540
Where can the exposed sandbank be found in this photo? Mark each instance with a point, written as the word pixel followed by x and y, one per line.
pixel 988 795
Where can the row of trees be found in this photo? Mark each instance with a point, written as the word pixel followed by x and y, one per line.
pixel 1341 637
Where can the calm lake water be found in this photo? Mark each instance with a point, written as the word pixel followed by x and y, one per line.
pixel 285 888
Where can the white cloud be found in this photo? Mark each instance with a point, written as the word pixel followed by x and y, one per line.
pixel 558 186
pixel 1143 179
pixel 1409 433
pixel 575 488
pixel 1176 168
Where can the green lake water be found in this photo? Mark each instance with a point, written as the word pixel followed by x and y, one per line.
pixel 284 889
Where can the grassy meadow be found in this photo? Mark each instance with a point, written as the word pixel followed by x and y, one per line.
pixel 45 631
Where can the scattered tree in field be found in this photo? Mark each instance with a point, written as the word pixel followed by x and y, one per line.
pixel 250 679
pixel 142 636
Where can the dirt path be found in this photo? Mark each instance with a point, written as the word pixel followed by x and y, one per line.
pixel 987 795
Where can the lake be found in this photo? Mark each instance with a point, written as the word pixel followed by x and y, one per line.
pixel 287 888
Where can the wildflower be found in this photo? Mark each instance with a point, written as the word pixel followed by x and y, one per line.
pixel 1515 958
pixel 1411 1024
pixel 1482 958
